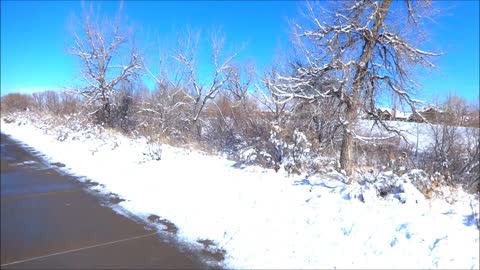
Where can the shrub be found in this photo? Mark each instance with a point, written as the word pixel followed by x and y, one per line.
pixel 15 102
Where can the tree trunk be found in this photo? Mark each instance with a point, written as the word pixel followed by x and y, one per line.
pixel 196 129
pixel 106 111
pixel 346 152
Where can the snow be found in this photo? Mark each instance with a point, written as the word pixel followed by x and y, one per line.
pixel 402 115
pixel 415 133
pixel 264 219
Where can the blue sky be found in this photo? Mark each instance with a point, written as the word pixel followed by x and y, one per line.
pixel 35 36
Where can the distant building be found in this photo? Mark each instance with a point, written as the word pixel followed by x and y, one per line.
pixel 384 114
pixel 390 114
pixel 473 119
pixel 430 114
pixel 416 117
pixel 427 114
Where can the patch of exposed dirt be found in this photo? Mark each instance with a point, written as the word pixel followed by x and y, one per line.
pixel 170 227
pixel 8 120
pixel 90 183
pixel 114 198
pixel 58 164
pixel 211 250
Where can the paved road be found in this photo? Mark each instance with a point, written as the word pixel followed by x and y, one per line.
pixel 49 221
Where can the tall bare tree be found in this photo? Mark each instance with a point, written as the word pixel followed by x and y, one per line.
pixel 353 51
pixel 101 46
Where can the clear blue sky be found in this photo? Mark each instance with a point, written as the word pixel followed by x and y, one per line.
pixel 35 36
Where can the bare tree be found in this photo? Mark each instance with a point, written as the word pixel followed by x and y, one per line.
pixel 15 102
pixel 473 114
pixel 39 100
pixel 323 118
pixel 105 59
pixel 352 52
pixel 197 90
pixel 242 77
pixel 52 101
pixel 455 110
pixel 272 102
pixel 230 114
pixel 165 112
pixel 234 103
pixel 455 149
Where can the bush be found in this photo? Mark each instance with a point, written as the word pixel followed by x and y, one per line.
pixel 153 152
pixel 15 102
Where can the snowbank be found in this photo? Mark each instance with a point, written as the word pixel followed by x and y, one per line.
pixel 265 219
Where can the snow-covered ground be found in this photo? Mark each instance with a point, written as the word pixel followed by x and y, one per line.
pixel 418 135
pixel 265 219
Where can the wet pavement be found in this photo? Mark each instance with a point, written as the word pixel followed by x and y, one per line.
pixel 50 221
